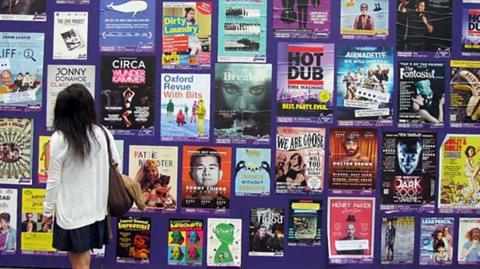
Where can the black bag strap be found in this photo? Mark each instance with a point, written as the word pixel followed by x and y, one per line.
pixel 110 159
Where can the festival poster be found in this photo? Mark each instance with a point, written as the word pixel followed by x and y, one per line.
pixel 127 94
pixel 458 179
pixel 187 35
pixel 70 36
pixel 364 19
pixel 305 223
pixel 36 230
pixel 133 240
pixel 242 31
pixel 398 233
pixel 464 94
pixel 185 242
pixel 305 82
pixel 185 107
pixel 364 86
pixel 21 69
pixel 16 141
pixel 353 160
pixel 301 19
pixel 252 171
pixel 409 170
pixel 471 32
pixel 15 10
pixel 421 100
pixel 468 241
pixel 74 2
pixel 61 76
pixel 155 168
pixel 243 103
pixel 424 28
pixel 266 232
pixel 206 178
pixel 436 241
pixel 127 26
pixel 300 160
pixel 8 215
pixel 224 242
pixel 350 226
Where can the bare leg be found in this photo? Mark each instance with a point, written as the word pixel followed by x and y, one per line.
pixel 80 260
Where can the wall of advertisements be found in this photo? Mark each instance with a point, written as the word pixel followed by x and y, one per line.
pixel 334 132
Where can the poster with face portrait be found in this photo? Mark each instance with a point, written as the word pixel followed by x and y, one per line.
pixel 252 171
pixel 127 94
pixel 424 28
pixel 70 36
pixel 266 232
pixel 133 240
pixel 16 149
pixel 21 71
pixel 23 10
pixel 301 19
pixel 185 242
pixel 224 242
pixel 353 160
pixel 206 177
pixel 397 240
pixel 8 221
pixel 305 223
pixel 459 174
pixel 409 169
pixel 436 241
pixel 470 32
pixel 364 19
pixel 299 160
pixel 155 168
pixel 243 103
pixel 469 241
pixel 350 229
pixel 464 94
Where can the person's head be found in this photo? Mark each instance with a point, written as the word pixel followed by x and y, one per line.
pixel 350 145
pixel 177 237
pixel 74 117
pixel 296 160
pixel 421 5
pixel 4 220
pixel 205 167
pixel 29 216
pixel 281 160
pixel 193 253
pixel 446 230
pixel 193 237
pixel 6 77
pixel 350 230
pixel 140 241
pixel 408 153
pixel 176 253
pixel 470 151
pixel 364 8
pixel 473 234
pixel 439 235
pixel 190 14
pixel 390 223
pixel 262 231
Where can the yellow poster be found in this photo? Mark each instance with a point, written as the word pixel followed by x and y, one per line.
pixel 43 158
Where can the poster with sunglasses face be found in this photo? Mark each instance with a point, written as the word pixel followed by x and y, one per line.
pixel 364 19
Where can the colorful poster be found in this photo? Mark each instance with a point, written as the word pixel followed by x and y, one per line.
pixel 459 178
pixel 133 240
pixel 351 229
pixel 436 237
pixel 36 230
pixel 70 36
pixel 409 170
pixel 364 86
pixel 305 82
pixel 76 2
pixel 127 26
pixel 353 160
pixel 471 32
pixel 243 103
pixel 300 160
pixel 301 19
pixel 397 241
pixel 468 239
pixel 185 242
pixel 266 232
pixel 364 19
pixel 464 94
pixel 305 223
pixel 252 172
pixel 206 179
pixel 16 141
pixel 224 244
pixel 242 31
pixel 472 1
pixel 61 76
pixel 424 28
pixel 21 70
pixel 14 10
pixel 185 107
pixel 155 168
pixel 187 34
pixel 127 94
pixel 421 101
pixel 43 158
pixel 8 219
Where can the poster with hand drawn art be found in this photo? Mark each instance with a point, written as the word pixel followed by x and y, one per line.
pixel 70 36
pixel 252 172
pixel 185 242
pixel 224 242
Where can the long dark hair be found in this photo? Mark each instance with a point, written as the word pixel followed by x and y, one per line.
pixel 75 116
